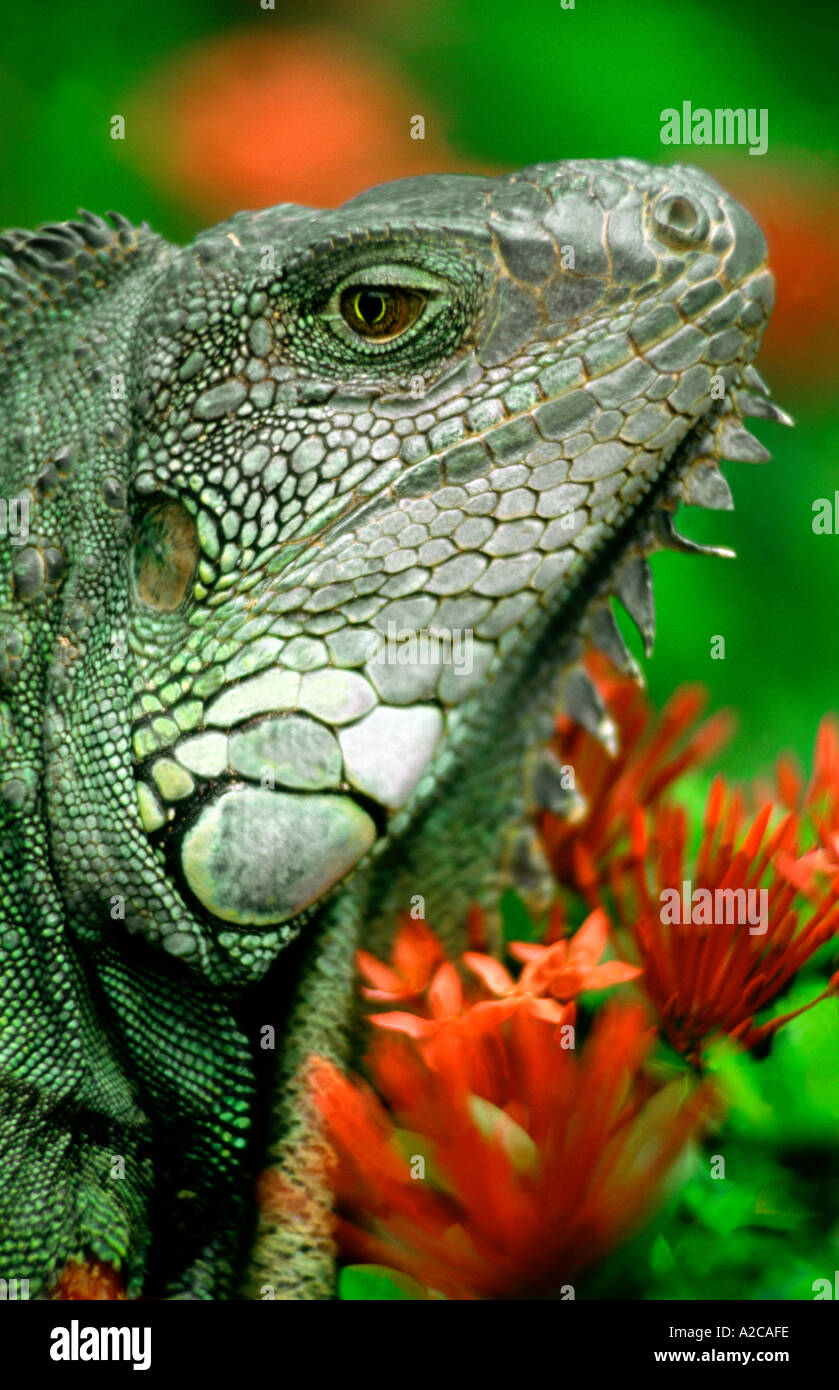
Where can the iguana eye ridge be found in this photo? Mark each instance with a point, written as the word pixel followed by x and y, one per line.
pixel 380 312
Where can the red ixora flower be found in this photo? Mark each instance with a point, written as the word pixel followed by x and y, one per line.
pixel 818 801
pixel 420 973
pixel 415 957
pixel 563 969
pixel 534 1161
pixel 719 944
pixel 654 750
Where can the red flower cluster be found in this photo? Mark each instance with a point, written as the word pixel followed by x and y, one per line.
pixel 722 957
pixel 504 1165
pixel 818 801
pixel 556 972
pixel 496 1161
pixel 654 750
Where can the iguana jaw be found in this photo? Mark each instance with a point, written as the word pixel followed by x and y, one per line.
pixel 618 569
pixel 548 673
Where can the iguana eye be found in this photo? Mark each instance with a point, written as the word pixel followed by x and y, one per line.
pixel 380 312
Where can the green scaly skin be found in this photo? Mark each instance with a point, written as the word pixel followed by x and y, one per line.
pixel 233 487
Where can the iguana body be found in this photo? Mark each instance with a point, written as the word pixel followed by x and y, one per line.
pixel 455 403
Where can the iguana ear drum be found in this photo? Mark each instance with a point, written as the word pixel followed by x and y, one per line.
pixel 164 554
pixel 258 857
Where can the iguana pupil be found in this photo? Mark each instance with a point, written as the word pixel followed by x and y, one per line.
pixel 370 308
pixel 380 313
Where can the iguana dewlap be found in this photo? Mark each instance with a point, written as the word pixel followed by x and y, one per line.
pixel 456 405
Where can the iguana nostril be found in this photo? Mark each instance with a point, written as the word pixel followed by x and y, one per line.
pixel 680 218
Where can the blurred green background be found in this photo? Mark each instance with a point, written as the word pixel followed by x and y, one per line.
pixel 228 104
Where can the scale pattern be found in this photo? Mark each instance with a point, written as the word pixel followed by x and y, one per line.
pixel 217 737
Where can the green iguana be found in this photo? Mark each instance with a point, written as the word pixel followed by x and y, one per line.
pixel 231 473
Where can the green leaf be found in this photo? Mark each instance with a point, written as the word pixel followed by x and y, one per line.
pixel 661 1258
pixel 498 1127
pixel 377 1284
pixel 735 1074
pixel 515 918
pixel 792 1096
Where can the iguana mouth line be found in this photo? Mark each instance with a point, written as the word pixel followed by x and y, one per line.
pixel 565 626
pixel 646 527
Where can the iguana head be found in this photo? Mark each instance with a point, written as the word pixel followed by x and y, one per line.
pixel 456 406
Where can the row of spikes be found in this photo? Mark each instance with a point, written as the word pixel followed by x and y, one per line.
pixel 61 262
pixel 697 482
